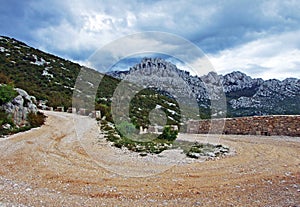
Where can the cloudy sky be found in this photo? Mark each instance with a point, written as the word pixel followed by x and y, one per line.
pixel 260 38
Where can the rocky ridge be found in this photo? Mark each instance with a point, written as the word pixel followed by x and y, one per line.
pixel 245 95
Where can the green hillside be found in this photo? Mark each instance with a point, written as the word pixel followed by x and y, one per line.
pixel 51 78
pixel 44 75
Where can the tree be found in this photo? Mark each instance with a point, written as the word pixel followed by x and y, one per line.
pixel 168 134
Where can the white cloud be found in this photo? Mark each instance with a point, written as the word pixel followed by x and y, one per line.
pixel 98 22
pixel 92 24
pixel 239 35
pixel 276 56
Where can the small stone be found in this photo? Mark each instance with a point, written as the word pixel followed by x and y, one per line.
pixel 6 126
pixel 211 154
pixel 198 203
pixel 287 174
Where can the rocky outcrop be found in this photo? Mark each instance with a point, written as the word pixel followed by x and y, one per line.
pixel 20 106
pixel 158 74
pixel 236 81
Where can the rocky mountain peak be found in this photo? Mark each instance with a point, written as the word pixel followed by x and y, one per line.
pixel 157 66
pixel 237 80
pixel 212 78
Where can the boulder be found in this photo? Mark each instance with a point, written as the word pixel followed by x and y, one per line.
pixel 23 93
pixel 20 106
pixel 18 101
pixel 6 126
pixel 32 107
pixel 8 107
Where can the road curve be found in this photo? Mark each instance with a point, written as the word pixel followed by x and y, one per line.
pixel 50 166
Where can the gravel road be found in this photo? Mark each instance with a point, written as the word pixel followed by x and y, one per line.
pixel 66 162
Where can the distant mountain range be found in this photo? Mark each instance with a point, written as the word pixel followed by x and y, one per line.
pixel 49 77
pixel 245 96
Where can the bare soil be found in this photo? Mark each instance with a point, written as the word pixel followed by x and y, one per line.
pixel 63 163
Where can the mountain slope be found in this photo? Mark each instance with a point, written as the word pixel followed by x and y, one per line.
pixel 44 75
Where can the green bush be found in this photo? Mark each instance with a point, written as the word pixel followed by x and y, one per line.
pixel 168 134
pixel 36 120
pixel 7 93
pixel 105 111
pixel 5 118
pixel 125 128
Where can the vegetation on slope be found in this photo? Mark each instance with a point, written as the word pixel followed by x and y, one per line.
pixel 43 75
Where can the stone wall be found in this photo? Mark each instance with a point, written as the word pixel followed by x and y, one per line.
pixel 256 125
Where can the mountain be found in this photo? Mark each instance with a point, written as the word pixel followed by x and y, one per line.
pixel 245 96
pixel 52 78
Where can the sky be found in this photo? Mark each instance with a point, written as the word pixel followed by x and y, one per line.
pixel 258 37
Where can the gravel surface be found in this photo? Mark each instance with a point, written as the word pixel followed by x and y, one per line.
pixel 63 163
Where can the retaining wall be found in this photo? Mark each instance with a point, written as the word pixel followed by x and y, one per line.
pixel 256 125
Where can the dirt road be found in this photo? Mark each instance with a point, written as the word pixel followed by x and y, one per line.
pixel 49 166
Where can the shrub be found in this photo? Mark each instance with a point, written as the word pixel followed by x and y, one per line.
pixel 168 134
pixel 36 120
pixel 5 118
pixel 105 111
pixel 126 128
pixel 7 93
